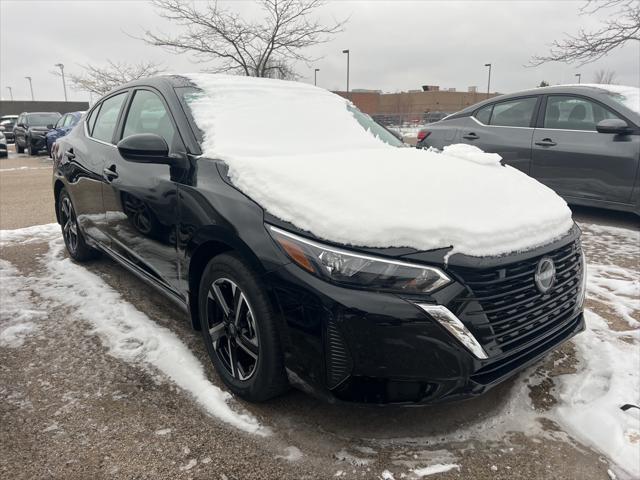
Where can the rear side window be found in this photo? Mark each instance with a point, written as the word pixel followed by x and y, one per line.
pixel 574 113
pixel 107 117
pixel 147 114
pixel 514 113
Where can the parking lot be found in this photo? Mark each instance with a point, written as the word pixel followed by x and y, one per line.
pixel 84 393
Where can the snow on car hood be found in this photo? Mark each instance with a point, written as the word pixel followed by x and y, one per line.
pixel 301 154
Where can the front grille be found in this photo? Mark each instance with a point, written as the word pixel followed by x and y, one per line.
pixel 506 309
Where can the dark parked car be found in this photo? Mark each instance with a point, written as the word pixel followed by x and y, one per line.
pixel 582 141
pixel 3 145
pixel 61 128
pixel 31 128
pixel 7 122
pixel 405 326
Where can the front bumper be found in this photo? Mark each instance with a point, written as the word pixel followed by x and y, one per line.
pixel 38 141
pixel 380 348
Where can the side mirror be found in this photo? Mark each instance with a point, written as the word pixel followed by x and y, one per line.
pixel 613 125
pixel 144 148
pixel 50 127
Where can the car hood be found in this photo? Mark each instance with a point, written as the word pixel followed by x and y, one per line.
pixel 398 202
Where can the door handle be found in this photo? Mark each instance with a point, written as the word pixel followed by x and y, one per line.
pixel 69 154
pixel 546 142
pixel 110 173
pixel 470 136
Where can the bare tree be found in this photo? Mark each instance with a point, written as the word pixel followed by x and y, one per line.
pixel 605 76
pixel 622 26
pixel 258 49
pixel 101 79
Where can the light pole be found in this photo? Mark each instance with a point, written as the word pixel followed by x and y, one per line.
pixel 579 75
pixel 315 76
pixel 30 87
pixel 10 92
pixel 489 80
pixel 347 52
pixel 64 85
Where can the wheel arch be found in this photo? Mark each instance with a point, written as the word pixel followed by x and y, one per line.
pixel 57 188
pixel 206 244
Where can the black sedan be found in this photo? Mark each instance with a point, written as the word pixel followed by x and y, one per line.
pixel 274 304
pixel 581 141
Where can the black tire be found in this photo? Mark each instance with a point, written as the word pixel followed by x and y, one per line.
pixel 19 149
pixel 265 378
pixel 31 148
pixel 73 237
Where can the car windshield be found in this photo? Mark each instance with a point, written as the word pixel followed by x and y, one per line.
pixel 42 119
pixel 629 99
pixel 190 94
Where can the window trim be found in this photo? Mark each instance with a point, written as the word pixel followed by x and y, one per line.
pixel 534 116
pixel 543 109
pixel 98 107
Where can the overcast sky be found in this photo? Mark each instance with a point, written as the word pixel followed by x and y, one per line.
pixel 395 45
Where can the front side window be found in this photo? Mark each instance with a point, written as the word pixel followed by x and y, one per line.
pixel 61 122
pixel 147 114
pixel 68 121
pixel 107 118
pixel 574 113
pixel 514 113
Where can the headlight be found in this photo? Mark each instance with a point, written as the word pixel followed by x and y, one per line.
pixel 356 270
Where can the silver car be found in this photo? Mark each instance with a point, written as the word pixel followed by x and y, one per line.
pixel 581 141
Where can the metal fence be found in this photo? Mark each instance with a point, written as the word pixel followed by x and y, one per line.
pixel 408 124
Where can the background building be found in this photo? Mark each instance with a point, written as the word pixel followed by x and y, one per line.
pixel 411 107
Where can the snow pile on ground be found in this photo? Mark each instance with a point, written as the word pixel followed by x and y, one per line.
pixel 37 233
pixel 128 333
pixel 132 336
pixel 305 158
pixel 18 314
pixel 433 469
pixel 608 378
pixel 617 286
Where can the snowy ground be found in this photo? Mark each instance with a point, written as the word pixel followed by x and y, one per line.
pixel 99 377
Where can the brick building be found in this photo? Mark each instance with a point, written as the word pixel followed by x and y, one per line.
pixel 412 105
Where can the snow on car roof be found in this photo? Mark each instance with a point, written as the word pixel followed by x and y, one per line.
pixel 299 152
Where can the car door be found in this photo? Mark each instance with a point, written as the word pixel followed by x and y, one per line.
pixel 505 128
pixel 84 159
pixel 571 157
pixel 141 198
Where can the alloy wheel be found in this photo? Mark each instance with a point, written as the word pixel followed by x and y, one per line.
pixel 69 224
pixel 232 329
